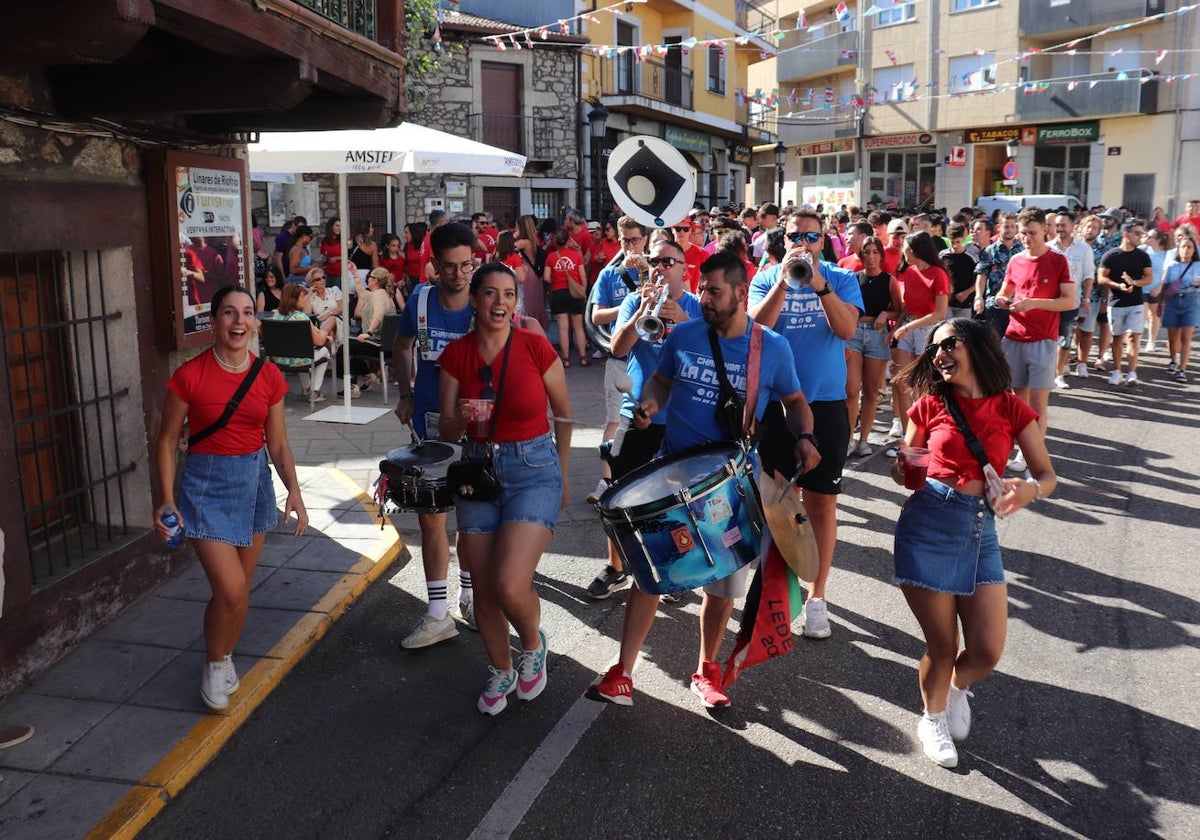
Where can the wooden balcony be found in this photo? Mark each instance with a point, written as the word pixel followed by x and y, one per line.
pixel 217 66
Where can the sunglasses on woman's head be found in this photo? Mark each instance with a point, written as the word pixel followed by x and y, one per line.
pixel 946 345
pixel 811 237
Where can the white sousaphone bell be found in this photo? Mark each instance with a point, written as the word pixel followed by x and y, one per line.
pixel 652 183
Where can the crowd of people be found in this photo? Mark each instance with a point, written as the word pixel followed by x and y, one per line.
pixel 804 317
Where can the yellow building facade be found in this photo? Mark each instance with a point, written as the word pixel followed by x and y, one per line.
pixel 676 70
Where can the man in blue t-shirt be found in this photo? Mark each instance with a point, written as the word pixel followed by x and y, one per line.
pixel 686 376
pixel 444 316
pixel 612 286
pixel 816 318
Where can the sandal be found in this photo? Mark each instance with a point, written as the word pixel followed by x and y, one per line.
pixel 585 362
pixel 565 360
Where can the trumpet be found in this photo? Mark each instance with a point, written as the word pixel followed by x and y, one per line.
pixel 801 269
pixel 650 326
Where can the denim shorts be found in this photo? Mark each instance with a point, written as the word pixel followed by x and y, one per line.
pixel 914 340
pixel 1066 327
pixel 1182 311
pixel 227 498
pixel 946 541
pixel 531 487
pixel 868 341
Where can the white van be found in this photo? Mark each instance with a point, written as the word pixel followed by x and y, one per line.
pixel 1014 203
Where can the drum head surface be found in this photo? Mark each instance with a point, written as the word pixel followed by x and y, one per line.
pixel 669 477
pixel 422 454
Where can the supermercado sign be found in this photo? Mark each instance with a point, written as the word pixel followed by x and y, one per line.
pixel 897 140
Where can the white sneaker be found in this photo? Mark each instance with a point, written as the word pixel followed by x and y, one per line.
pixel 1060 382
pixel 1150 347
pixel 897 429
pixel 595 495
pixel 429 631
pixel 597 354
pixel 1114 378
pixel 1017 464
pixel 958 713
pixel 1132 378
pixel 862 449
pixel 816 619
pixel 1081 370
pixel 232 683
pixel 213 690
pixel 936 741
pixel 1107 357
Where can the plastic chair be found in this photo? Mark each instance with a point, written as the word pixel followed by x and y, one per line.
pixel 387 336
pixel 290 339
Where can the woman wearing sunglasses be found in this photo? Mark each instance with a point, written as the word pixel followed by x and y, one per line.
pixel 946 552
pixel 519 372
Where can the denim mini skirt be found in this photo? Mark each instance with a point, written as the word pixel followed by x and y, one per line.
pixel 946 541
pixel 531 487
pixel 227 498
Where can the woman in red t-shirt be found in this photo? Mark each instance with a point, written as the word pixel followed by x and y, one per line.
pixel 605 251
pixel 925 294
pixel 516 373
pixel 947 555
pixel 225 501
pixel 331 250
pixel 564 273
pixel 391 257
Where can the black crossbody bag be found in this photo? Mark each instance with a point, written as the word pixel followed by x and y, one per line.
pixel 993 485
pixel 478 474
pixel 232 407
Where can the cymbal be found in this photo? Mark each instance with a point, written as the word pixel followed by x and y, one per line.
pixel 789 526
pixel 421 454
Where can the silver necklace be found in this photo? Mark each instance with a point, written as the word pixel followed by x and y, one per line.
pixel 238 368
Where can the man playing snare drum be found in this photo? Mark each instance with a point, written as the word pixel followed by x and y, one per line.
pixel 435 316
pixel 685 374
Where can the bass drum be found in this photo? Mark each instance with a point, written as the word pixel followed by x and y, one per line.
pixel 600 334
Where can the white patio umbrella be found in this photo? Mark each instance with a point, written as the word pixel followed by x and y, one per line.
pixel 384 151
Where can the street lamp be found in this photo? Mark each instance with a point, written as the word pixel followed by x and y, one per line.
pixel 780 159
pixel 598 122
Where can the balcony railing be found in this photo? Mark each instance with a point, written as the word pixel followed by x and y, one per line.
pixel 624 75
pixel 759 124
pixel 754 15
pixel 816 58
pixel 356 15
pixel 1046 17
pixel 525 135
pixel 818 124
pixel 1097 95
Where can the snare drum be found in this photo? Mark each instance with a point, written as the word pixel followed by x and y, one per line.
pixel 686 520
pixel 416 476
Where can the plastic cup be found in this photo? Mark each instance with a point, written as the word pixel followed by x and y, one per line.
pixel 916 463
pixel 479 423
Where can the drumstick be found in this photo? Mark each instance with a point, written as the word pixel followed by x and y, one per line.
pixel 790 484
pixel 413 431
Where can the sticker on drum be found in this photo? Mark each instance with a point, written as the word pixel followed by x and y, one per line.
pixel 718 510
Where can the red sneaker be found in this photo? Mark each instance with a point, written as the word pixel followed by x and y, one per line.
pixel 614 687
pixel 705 686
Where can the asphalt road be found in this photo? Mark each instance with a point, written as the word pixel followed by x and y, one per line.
pixel 1090 727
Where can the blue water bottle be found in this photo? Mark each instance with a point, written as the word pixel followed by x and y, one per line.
pixel 171 519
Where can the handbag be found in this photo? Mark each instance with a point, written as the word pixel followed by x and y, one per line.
pixel 232 406
pixel 735 416
pixel 473 478
pixel 993 485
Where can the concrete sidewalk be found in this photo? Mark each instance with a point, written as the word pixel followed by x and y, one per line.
pixel 120 728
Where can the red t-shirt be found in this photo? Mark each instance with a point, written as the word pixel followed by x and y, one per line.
pixel 396 266
pixel 1035 277
pixel 602 255
pixel 563 262
pixel 996 421
pixel 332 251
pixel 919 289
pixel 414 261
pixel 851 262
pixel 514 261
pixel 523 392
pixel 694 256
pixel 426 255
pixel 207 388
pixel 585 240
pixel 891 260
pixel 487 242
pixel 1185 219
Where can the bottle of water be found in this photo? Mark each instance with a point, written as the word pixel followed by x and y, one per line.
pixel 171 519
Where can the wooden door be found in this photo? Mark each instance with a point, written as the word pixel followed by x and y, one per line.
pixel 503 124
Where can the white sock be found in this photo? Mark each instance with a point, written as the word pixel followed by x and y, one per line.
pixel 437 598
pixel 465 591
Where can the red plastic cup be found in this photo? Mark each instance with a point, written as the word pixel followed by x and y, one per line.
pixel 915 460
pixel 480 421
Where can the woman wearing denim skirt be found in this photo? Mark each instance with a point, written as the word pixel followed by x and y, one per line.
pixel 946 552
pixel 225 501
pixel 504 539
